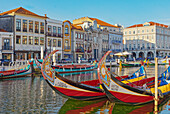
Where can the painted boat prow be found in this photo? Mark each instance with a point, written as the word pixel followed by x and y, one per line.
pixel 116 90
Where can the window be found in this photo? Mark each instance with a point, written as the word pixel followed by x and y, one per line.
pixel 142 31
pixel 41 41
pixel 18 24
pixel 7 44
pixel 18 39
pixel 36 41
pixel 143 45
pixel 24 25
pixel 82 36
pixel 130 46
pixel 147 30
pixel 59 43
pixel 54 42
pixel 49 29
pixel 152 30
pixel 78 35
pixel 30 40
pixel 138 31
pixel 49 42
pixel 138 46
pixel 54 30
pixel 30 26
pixel 125 32
pixel 133 32
pixel 134 46
pixel 42 28
pixel 36 27
pixel 24 39
pixel 66 30
pixel 59 31
pixel 66 42
pixel 129 32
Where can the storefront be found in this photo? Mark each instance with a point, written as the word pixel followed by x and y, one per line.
pixel 26 55
pixel 7 56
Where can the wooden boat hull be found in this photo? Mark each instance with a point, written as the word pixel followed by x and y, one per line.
pixel 67 70
pixel 130 65
pixel 73 70
pixel 16 74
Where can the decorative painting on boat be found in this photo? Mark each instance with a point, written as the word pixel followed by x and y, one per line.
pixel 48 69
pixel 105 75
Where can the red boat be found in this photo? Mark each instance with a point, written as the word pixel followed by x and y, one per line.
pixel 63 69
pixel 68 88
pixel 126 93
pixel 22 72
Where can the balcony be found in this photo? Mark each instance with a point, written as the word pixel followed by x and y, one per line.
pixel 116 50
pixel 89 51
pixel 42 31
pixel 49 34
pixel 80 50
pixel 25 30
pixel 36 31
pixel 18 29
pixel 116 42
pixel 67 47
pixel 6 47
pixel 59 35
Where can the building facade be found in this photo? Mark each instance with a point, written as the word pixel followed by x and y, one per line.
pixel 105 36
pixel 54 37
pixel 67 40
pixel 78 42
pixel 147 40
pixel 6 45
pixel 28 31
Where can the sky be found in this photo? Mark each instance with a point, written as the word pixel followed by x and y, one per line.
pixel 124 12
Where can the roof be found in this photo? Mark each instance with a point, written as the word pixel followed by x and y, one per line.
pixel 76 27
pixel 151 23
pixel 102 23
pixel 21 10
pixel 2 30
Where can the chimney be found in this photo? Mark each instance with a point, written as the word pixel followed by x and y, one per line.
pixel 45 15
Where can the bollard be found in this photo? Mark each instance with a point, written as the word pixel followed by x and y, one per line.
pixel 156 86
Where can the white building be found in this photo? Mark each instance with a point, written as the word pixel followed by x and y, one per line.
pixel 28 29
pixel 54 36
pixel 147 40
pixel 6 45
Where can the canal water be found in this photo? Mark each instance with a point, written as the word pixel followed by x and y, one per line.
pixel 33 95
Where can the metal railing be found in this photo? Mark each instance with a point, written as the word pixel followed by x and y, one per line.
pixel 6 47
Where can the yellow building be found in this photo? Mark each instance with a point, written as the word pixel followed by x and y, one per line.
pixel 67 39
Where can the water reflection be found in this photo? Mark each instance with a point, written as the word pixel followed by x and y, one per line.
pixel 28 95
pixel 33 95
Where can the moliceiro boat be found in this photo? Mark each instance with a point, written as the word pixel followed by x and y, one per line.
pixel 68 88
pixel 131 93
pixel 63 69
pixel 22 72
pixel 73 68
pixel 85 90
